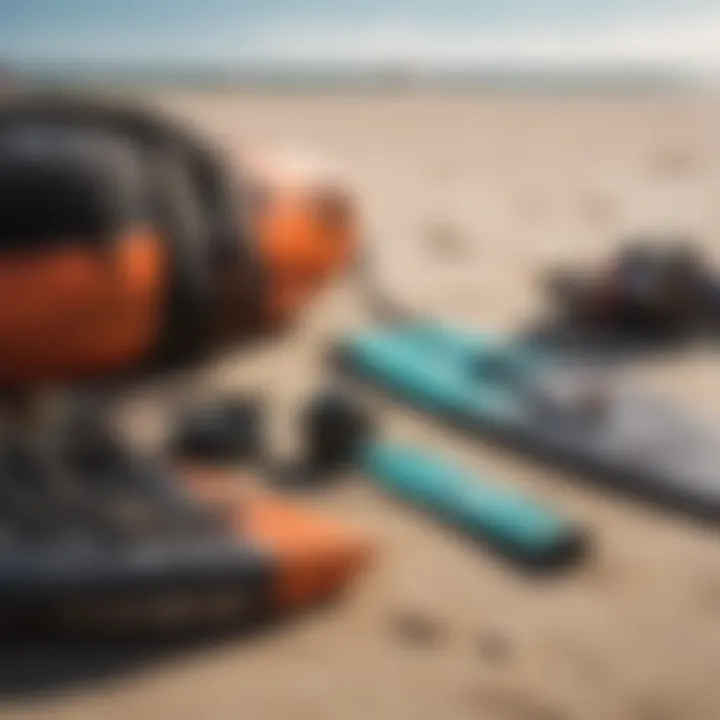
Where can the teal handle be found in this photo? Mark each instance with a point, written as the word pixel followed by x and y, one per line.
pixel 510 521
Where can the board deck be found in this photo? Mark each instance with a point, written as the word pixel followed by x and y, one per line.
pixel 519 396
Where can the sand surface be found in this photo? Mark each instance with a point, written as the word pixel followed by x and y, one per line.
pixel 465 199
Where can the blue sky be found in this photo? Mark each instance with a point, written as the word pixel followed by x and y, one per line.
pixel 664 34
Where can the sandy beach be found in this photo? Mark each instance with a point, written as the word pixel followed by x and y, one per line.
pixel 465 198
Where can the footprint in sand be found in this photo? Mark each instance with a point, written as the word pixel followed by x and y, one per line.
pixel 675 163
pixel 418 629
pixel 495 647
pixel 598 208
pixel 505 704
pixel 445 240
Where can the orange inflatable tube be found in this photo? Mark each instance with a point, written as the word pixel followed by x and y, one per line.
pixel 74 311
pixel 126 242
pixel 312 557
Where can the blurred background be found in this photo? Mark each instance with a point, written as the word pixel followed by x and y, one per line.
pixel 644 41
pixel 484 141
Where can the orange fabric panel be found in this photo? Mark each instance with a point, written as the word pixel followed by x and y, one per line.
pixel 302 249
pixel 72 310
pixel 315 557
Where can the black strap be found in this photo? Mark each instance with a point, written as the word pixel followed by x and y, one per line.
pixel 60 184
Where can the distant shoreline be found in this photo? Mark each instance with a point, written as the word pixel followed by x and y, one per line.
pixel 341 80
